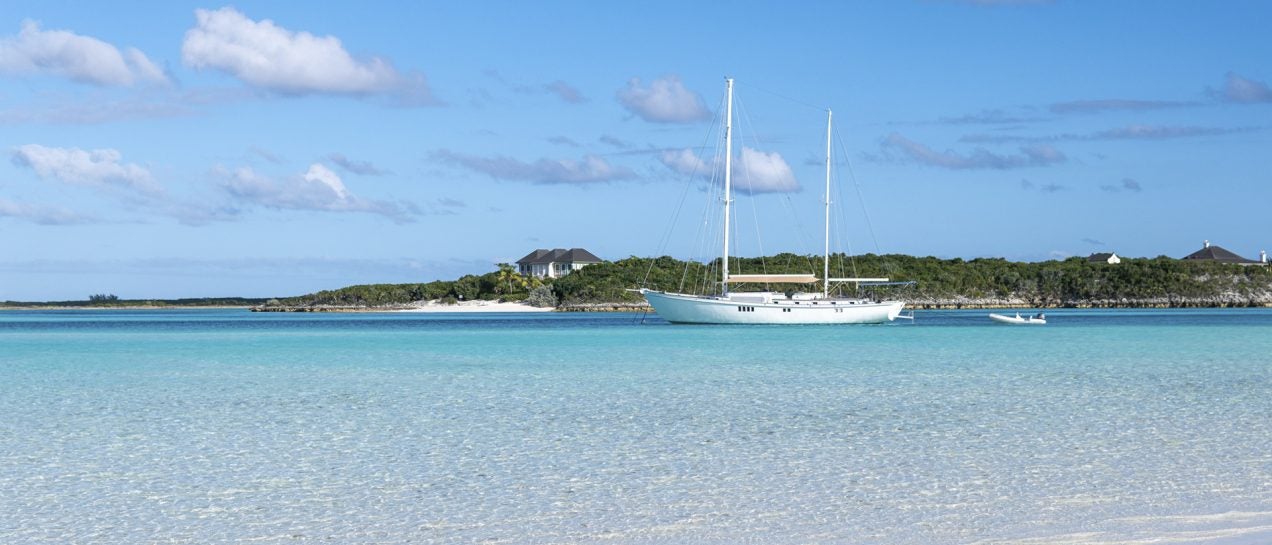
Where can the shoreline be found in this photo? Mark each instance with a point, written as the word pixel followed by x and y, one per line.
pixel 476 306
pixel 123 307
pixel 624 306
pixel 434 306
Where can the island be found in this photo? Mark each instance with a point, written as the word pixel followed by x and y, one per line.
pixel 1076 282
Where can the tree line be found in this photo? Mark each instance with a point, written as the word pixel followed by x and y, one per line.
pixel 1056 282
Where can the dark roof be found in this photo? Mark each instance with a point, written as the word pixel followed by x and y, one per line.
pixel 1215 253
pixel 1100 257
pixel 535 256
pixel 559 255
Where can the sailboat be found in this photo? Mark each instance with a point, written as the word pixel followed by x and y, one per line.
pixel 766 307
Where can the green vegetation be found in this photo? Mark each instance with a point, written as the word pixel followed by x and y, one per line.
pixel 504 284
pixel 1072 281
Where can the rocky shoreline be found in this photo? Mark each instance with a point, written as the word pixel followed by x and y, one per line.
pixel 955 303
pixel 951 303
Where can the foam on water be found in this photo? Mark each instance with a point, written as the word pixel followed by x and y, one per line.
pixel 202 427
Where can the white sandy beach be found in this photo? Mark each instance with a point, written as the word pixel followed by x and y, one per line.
pixel 476 306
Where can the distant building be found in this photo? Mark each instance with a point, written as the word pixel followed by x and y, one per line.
pixel 1210 252
pixel 1111 258
pixel 555 263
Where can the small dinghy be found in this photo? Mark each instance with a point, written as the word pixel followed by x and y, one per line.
pixel 1040 319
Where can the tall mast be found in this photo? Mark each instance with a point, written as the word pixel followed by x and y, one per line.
pixel 826 252
pixel 728 181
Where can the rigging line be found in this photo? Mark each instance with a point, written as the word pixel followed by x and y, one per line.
pixel 708 229
pixel 710 233
pixel 755 214
pixel 744 114
pixel 803 239
pixel 860 198
pixel 675 216
pixel 697 243
pixel 781 96
pixel 704 231
pixel 847 241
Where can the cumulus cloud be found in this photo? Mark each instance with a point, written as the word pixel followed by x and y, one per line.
pixel 684 161
pixel 1242 90
pixel 268 56
pixel 665 100
pixel 754 171
pixel 898 147
pixel 43 215
pixel 96 168
pixel 80 58
pixel 760 172
pixel 364 168
pixel 318 189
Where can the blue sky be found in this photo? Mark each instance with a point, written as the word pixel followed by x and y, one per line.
pixel 176 149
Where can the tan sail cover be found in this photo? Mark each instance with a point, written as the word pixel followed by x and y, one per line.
pixel 774 278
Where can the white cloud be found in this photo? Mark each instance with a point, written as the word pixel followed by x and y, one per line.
pixel 319 188
pixel 565 92
pixel 42 215
pixel 364 168
pixel 1244 90
pixel 80 58
pixel 754 171
pixel 980 158
pixel 100 167
pixel 268 56
pixel 666 100
pixel 591 169
pixel 760 172
pixel 323 175
pixel 684 161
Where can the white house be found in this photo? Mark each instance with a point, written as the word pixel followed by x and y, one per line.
pixel 555 263
pixel 1111 258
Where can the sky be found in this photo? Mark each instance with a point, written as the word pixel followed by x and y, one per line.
pixel 259 149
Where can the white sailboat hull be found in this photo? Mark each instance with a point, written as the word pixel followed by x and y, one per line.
pixel 694 309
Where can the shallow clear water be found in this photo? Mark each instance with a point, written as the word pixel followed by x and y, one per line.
pixel 227 426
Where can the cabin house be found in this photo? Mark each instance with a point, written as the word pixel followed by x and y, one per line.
pixel 1111 258
pixel 1210 252
pixel 555 263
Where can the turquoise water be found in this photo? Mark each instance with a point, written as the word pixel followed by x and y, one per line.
pixel 228 426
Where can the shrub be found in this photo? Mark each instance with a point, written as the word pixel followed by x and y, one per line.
pixel 542 297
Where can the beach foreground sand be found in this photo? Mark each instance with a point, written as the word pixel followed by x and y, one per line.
pixel 476 306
